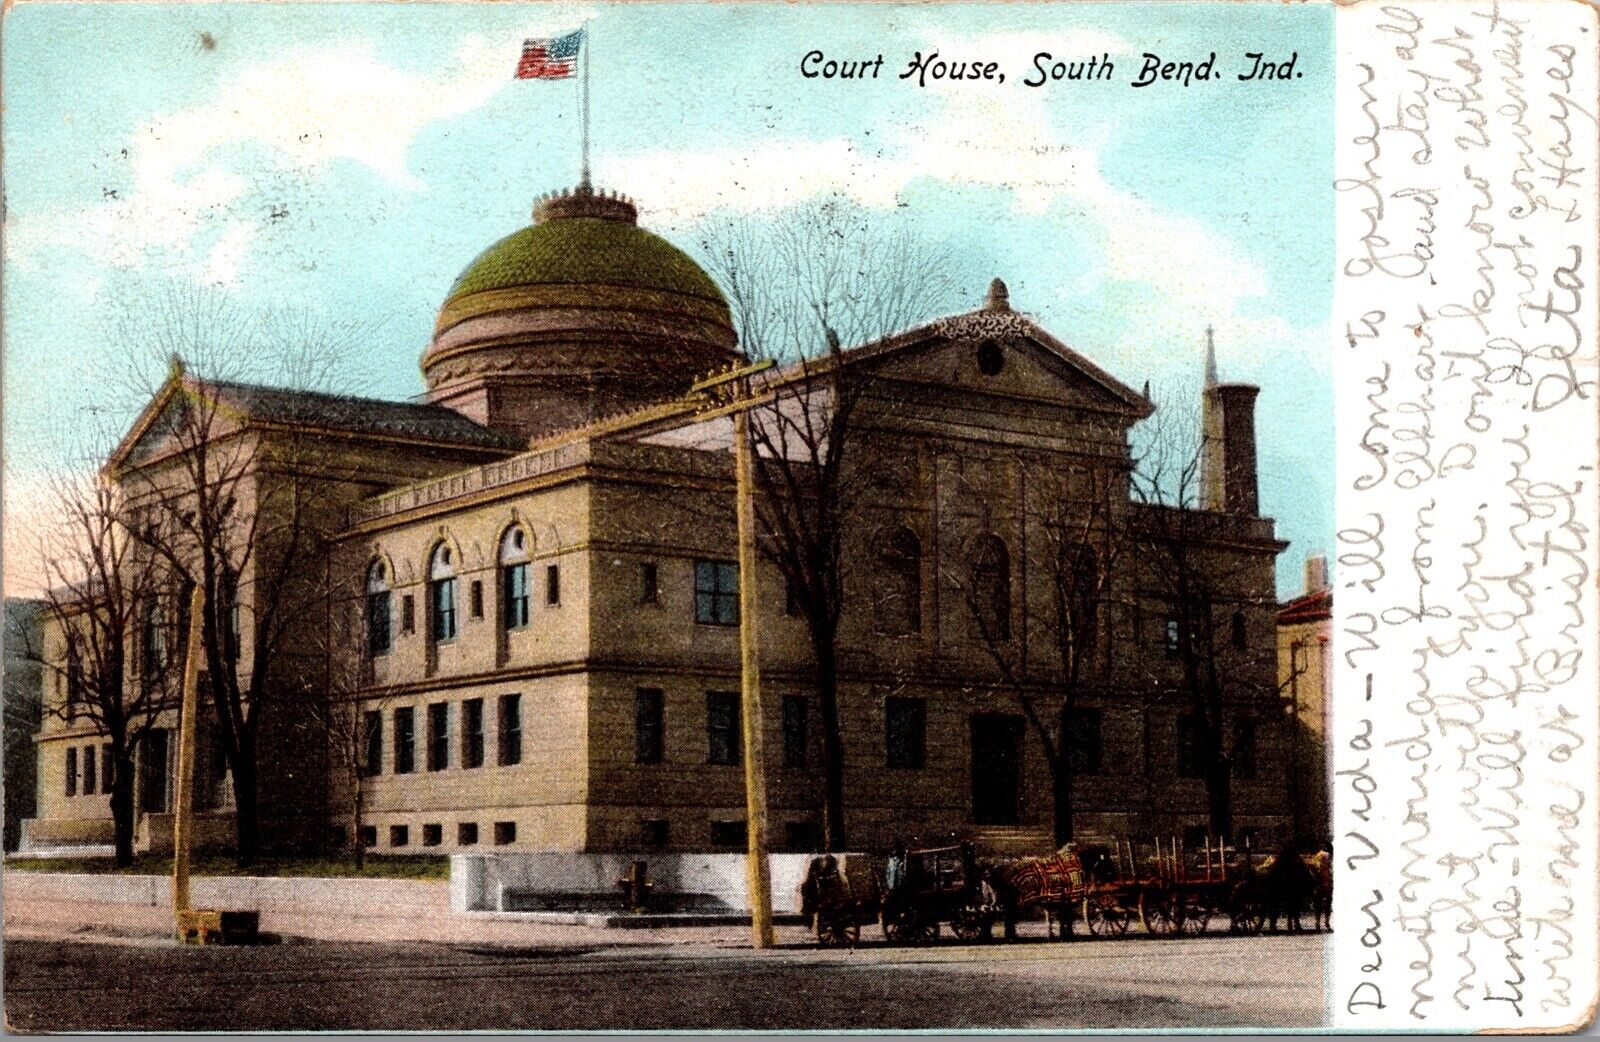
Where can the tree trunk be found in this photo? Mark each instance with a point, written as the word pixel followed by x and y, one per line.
pixel 355 820
pixel 246 819
pixel 122 804
pixel 827 681
pixel 1219 799
pixel 1061 782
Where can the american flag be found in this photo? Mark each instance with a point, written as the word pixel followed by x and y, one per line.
pixel 550 59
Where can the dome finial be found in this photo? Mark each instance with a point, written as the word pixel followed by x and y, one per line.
pixel 999 298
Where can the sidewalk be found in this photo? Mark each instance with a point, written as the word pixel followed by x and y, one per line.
pixel 47 906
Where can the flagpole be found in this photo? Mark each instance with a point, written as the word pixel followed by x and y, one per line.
pixel 588 50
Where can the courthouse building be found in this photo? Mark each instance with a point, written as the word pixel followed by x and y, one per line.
pixel 534 592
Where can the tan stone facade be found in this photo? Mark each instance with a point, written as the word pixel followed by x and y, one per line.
pixel 539 638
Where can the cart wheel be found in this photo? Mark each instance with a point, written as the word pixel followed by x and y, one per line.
pixel 1193 918
pixel 1247 918
pixel 1104 916
pixel 971 924
pixel 1157 913
pixel 908 927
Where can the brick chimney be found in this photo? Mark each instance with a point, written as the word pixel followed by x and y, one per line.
pixel 1227 443
pixel 1316 573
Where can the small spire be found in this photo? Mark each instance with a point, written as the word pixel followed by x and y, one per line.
pixel 833 338
pixel 1147 389
pixel 175 370
pixel 1211 357
pixel 999 298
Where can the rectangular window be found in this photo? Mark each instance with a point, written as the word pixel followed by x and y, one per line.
pixel 466 833
pixel 368 835
pixel 794 731
pixel 729 834
pixel 1244 749
pixel 716 593
pixel 378 623
pixel 408 614
pixel 372 724
pixel 90 772
pixel 432 834
pixel 72 770
pixel 505 832
pixel 1170 637
pixel 905 731
pixel 514 580
pixel 552 584
pixel 510 730
pixel 647 725
pixel 649 585
pixel 108 769
pixel 1083 741
pixel 154 641
pixel 472 733
pixel 802 836
pixel 399 835
pixel 442 608
pixel 438 736
pixel 476 598
pixel 1188 747
pixel 405 741
pixel 653 832
pixel 722 727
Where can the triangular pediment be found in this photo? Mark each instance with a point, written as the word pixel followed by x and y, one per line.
pixel 1002 354
pixel 157 430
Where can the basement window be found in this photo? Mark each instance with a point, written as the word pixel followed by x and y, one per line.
pixel 728 834
pixel 399 835
pixel 432 835
pixel 466 833
pixel 505 832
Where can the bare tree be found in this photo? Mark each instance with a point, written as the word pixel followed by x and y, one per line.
pixel 339 717
pixel 801 286
pixel 1190 562
pixel 111 651
pixel 1083 536
pixel 228 499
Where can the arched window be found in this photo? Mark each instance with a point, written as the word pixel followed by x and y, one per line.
pixel 991 586
pixel 442 593
pixel 378 628
pixel 1081 569
pixel 514 598
pixel 898 584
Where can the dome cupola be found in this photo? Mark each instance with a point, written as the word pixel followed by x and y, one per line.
pixel 577 316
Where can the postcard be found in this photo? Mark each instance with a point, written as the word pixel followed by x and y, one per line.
pixel 826 517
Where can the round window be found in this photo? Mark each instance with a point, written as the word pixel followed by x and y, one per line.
pixel 990 358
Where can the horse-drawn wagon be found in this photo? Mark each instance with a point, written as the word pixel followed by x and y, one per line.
pixel 917 892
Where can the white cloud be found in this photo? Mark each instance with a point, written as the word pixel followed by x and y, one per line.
pixel 1002 138
pixel 308 109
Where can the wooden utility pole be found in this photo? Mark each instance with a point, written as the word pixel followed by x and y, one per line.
pixel 755 776
pixel 758 883
pixel 183 815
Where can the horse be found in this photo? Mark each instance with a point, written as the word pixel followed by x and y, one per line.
pixel 835 903
pixel 1289 886
pixel 1321 866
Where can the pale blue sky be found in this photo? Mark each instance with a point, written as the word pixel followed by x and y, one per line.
pixel 395 145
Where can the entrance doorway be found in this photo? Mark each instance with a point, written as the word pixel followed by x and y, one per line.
pixel 996 768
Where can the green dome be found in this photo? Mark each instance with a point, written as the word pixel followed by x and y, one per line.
pixel 586 251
